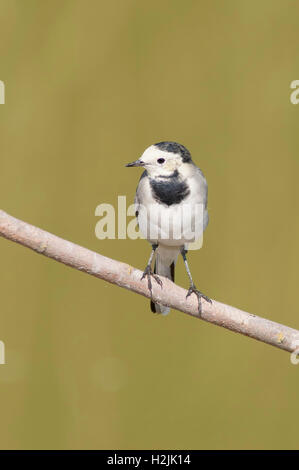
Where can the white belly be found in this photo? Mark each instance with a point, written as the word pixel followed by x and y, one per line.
pixel 175 225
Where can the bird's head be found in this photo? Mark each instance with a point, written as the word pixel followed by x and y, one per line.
pixel 164 159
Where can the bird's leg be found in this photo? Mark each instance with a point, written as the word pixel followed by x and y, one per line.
pixel 148 271
pixel 192 288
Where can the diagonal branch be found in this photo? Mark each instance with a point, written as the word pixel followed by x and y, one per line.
pixel 124 275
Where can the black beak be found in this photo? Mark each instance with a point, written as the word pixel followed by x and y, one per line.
pixel 136 163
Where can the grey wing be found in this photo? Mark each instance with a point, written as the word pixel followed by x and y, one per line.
pixel 139 193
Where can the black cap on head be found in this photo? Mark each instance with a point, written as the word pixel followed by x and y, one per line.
pixel 174 147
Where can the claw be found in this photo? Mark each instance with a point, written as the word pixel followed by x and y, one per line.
pixel 157 279
pixel 192 290
pixel 148 273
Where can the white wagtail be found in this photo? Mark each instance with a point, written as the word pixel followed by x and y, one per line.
pixel 171 188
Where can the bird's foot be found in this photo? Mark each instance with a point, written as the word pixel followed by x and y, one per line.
pixel 148 273
pixel 192 290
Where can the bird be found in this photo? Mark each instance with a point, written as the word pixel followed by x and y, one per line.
pixel 171 210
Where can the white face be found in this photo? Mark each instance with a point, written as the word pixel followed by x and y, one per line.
pixel 158 162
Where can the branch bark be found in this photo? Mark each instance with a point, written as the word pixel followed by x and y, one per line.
pixel 124 275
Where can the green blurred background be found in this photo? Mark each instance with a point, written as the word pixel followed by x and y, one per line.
pixel 89 85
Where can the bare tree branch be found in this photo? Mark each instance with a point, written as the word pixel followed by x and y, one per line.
pixel 124 275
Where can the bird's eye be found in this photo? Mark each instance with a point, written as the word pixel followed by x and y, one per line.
pixel 161 160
